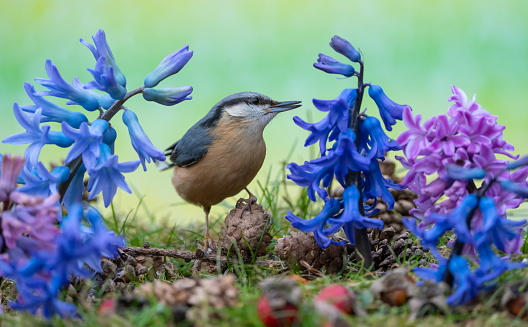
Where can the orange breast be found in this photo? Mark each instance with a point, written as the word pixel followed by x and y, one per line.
pixel 230 164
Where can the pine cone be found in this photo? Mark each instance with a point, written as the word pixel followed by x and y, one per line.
pixel 384 249
pixel 202 297
pixel 299 246
pixel 247 230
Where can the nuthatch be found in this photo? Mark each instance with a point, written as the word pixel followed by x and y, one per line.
pixel 222 153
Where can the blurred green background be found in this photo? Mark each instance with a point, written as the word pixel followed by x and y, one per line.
pixel 414 49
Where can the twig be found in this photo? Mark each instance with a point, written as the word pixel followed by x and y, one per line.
pixel 190 255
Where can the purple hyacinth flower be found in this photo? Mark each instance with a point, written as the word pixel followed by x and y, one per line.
pixel 344 47
pixel 351 217
pixel 140 141
pixel 168 96
pixel 40 182
pixel 102 50
pixel 87 141
pixel 329 65
pixel 58 87
pixel 170 65
pixel 10 169
pixel 373 142
pixel 34 135
pixel 318 224
pixel 33 218
pixel 389 110
pixel 50 111
pixel 335 122
pixel 107 175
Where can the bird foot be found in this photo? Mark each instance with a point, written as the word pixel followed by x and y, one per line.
pixel 249 202
pixel 208 245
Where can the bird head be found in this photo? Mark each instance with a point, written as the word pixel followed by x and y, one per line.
pixel 254 108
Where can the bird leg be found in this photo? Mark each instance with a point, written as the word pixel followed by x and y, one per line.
pixel 207 243
pixel 249 201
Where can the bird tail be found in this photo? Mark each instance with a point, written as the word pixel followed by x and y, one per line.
pixel 164 165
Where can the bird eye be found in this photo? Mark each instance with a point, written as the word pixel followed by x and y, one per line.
pixel 254 100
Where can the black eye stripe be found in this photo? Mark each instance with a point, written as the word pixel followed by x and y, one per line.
pixel 254 100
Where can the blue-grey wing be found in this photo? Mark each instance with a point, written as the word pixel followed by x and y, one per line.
pixel 190 148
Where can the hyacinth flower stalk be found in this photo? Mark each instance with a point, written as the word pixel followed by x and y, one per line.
pixel 476 244
pixel 359 142
pixel 35 253
pixel 87 138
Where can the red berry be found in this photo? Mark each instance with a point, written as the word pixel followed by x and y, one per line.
pixel 284 316
pixel 339 297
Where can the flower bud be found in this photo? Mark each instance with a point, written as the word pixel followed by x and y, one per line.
pixel 168 96
pixel 332 66
pixel 170 65
pixel 344 47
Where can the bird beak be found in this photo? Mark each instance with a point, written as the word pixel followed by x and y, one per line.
pixel 283 106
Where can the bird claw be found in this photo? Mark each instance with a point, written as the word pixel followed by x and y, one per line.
pixel 249 202
pixel 208 245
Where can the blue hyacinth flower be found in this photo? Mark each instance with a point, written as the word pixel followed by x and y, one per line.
pixel 87 141
pixel 344 47
pixel 466 284
pixel 107 175
pixel 35 135
pixel 516 188
pixel 351 218
pixel 496 228
pixel 102 50
pixel 376 186
pixel 389 110
pixel 58 87
pixel 50 111
pixel 105 80
pixel 74 193
pixel 140 141
pixel 331 66
pixel 168 96
pixel 41 182
pixel 170 65
pixel 461 173
pixel 319 223
pixel 335 122
pixel 373 142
